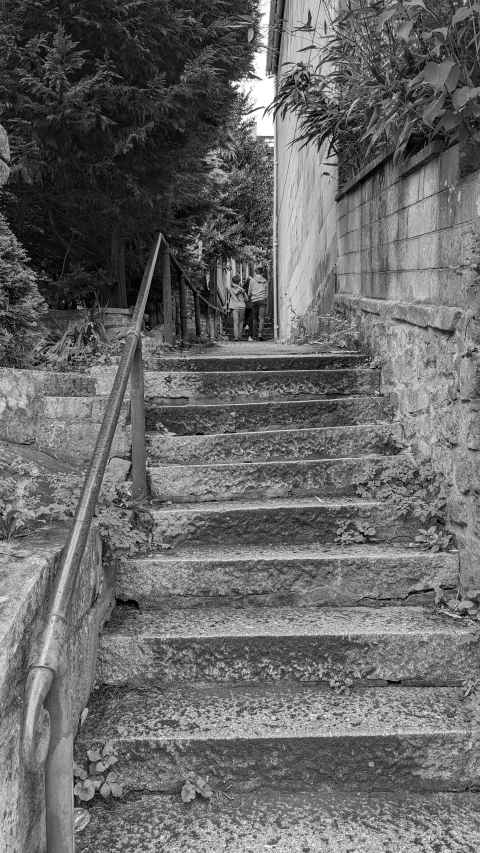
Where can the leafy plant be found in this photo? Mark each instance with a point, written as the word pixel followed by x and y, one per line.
pixel 354 532
pixel 435 539
pixel 80 345
pixel 195 786
pixel 96 775
pixel 410 490
pixel 392 75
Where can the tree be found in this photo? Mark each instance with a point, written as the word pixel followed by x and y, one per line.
pixel 21 306
pixel 240 225
pixel 109 105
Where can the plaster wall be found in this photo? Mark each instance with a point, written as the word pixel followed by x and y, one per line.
pixel 306 190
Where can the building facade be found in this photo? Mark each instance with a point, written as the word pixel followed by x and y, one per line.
pixel 305 184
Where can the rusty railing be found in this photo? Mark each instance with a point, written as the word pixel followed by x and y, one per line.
pixel 48 726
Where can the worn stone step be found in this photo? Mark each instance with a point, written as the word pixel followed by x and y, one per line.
pixel 261 385
pixel 233 417
pixel 232 363
pixel 230 481
pixel 324 821
pixel 272 522
pixel 288 735
pixel 334 645
pixel 320 443
pixel 366 574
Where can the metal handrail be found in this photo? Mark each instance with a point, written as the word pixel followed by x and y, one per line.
pixel 48 728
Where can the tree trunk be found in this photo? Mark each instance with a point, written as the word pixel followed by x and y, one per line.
pixel 118 271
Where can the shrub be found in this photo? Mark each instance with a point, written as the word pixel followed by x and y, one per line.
pixel 392 75
pixel 21 305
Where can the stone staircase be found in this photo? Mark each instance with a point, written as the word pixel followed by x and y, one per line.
pixel 312 686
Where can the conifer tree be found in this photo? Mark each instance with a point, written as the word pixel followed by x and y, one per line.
pixel 111 108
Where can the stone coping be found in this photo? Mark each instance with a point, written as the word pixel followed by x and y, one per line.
pixel 27 571
pixel 441 317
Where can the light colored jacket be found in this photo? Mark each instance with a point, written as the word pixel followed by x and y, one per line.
pixel 236 296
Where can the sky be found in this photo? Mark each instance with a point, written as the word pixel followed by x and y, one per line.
pixel 262 90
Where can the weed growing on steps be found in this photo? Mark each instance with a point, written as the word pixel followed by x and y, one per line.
pixel 355 533
pixel 434 539
pixel 95 775
pixel 410 490
pixel 117 517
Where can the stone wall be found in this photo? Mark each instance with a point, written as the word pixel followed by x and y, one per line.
pixel 306 200
pixel 408 276
pixel 27 571
pixel 59 413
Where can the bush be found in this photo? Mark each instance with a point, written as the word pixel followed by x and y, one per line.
pixel 21 306
pixel 391 77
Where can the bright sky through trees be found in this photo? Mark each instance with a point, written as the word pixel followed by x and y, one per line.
pixel 262 90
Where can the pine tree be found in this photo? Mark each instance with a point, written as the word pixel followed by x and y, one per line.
pixel 111 109
pixel 21 306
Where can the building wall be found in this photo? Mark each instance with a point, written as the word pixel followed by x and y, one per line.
pixel 306 199
pixel 409 277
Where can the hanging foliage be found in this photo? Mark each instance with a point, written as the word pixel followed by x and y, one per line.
pixel 392 75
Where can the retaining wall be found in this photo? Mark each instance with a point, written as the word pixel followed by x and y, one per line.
pixel 409 277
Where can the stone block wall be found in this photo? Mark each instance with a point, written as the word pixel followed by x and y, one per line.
pixel 25 589
pixel 59 413
pixel 409 278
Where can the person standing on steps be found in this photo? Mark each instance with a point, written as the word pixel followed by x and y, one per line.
pixel 257 295
pixel 236 304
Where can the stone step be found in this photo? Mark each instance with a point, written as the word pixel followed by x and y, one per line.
pixel 272 415
pixel 321 443
pixel 232 363
pixel 273 522
pixel 288 736
pixel 230 481
pixel 324 821
pixel 333 645
pixel 367 574
pixel 261 385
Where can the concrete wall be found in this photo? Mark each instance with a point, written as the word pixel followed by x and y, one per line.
pixel 306 200
pixel 409 276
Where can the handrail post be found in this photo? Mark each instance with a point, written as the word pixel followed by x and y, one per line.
pixel 183 307
pixel 198 318
pixel 59 768
pixel 168 326
pixel 137 402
